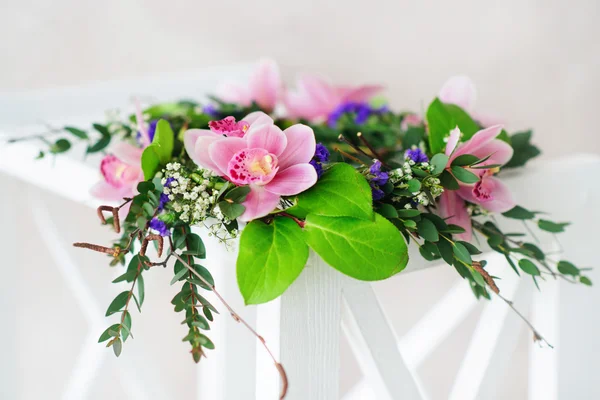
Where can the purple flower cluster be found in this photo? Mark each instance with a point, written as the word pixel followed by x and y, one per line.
pixel 211 110
pixel 378 178
pixel 159 226
pixel 164 199
pixel 321 157
pixel 417 155
pixel 361 110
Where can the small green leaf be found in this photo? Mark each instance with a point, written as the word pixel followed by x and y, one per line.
pixel 439 162
pixel 141 289
pixel 427 230
pixel 405 213
pixel 448 181
pixel 478 278
pixel 363 249
pixel 76 132
pixel 164 140
pixel 470 248
pixel 238 194
pixel 201 323
pixel 585 280
pixel 409 223
pixel 270 258
pixel 465 159
pixel 445 249
pixel 179 275
pixel 523 149
pixel 195 246
pixel 206 342
pixel 464 176
pixel 566 268
pixel 414 185
pixel 107 334
pixel 518 212
pixel 461 252
pixel 40 155
pixel 231 210
pixel 387 210
pixel 150 161
pixel 60 146
pixel 117 347
pixel 118 303
pixel 535 251
pixel 529 267
pixel 126 325
pixel 145 186
pixel 550 226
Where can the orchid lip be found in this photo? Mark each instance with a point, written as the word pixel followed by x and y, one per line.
pixel 252 166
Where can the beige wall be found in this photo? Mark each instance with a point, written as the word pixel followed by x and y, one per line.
pixel 537 63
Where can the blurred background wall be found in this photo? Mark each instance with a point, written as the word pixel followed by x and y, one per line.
pixel 536 63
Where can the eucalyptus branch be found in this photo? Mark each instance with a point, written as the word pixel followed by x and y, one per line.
pixel 237 318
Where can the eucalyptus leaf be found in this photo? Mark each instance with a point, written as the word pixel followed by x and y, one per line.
pixel 427 230
pixel 464 175
pixel 118 303
pixel 529 267
pixel 518 212
pixel 566 268
pixel 439 162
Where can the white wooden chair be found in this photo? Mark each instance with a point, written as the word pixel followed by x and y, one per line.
pixel 305 325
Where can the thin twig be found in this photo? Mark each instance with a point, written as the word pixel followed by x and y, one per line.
pixel 360 136
pixel 237 318
pixel 342 138
pixel 536 335
pixel 342 152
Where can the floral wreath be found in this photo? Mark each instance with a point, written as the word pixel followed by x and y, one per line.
pixel 326 168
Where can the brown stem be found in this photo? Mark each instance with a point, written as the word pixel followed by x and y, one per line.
pixel 537 337
pixel 486 277
pixel 360 136
pixel 150 238
pixel 237 318
pixel 113 251
pixel 342 152
pixel 296 220
pixel 342 138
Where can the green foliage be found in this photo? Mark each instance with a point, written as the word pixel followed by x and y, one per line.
pixel 364 249
pixel 523 149
pixel 60 146
pixel 441 119
pixel 76 132
pixel 271 257
pixel 341 191
pixel 427 230
pixel 439 162
pixel 101 143
pixel 160 151
pixel 519 212
pixel 566 268
pixel 464 175
pixel 529 267
pixel 550 226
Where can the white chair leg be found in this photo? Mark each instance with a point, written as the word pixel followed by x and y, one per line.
pixel 374 344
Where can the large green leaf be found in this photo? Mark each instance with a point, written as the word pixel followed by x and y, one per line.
pixel 159 152
pixel 368 250
pixel 150 161
pixel 341 191
pixel 442 118
pixel 271 257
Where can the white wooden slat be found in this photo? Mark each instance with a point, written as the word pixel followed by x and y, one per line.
pixel 309 326
pixel 491 336
pixel 268 317
pixel 543 361
pixel 227 372
pixel 437 324
pixel 374 344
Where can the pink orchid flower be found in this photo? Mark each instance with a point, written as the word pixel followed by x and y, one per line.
pixel 314 98
pixel 264 88
pixel 272 162
pixel 489 192
pixel 461 90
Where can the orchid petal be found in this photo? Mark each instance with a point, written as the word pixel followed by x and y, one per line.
pixel 127 153
pixel 265 84
pixel 232 92
pixel 359 94
pixel 259 202
pixel 459 90
pixel 104 191
pixel 196 142
pixel 501 198
pixel 452 141
pixel 258 117
pixel 221 151
pixel 269 137
pixel 478 140
pixel 453 209
pixel 293 180
pixel 300 147
pixel 501 152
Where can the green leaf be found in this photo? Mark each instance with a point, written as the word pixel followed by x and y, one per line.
pixel 429 251
pixel 150 161
pixel 448 181
pixel 439 162
pixel 387 210
pixel 101 144
pixel 470 248
pixel 585 280
pixel 405 213
pixel 117 347
pixel 566 268
pixel 550 226
pixel 446 251
pixel 164 139
pixel 141 289
pixel 145 187
pixel 238 194
pixel 206 342
pixel 363 249
pixel 195 246
pixel 201 322
pixel 60 146
pixel 535 251
pixel 341 191
pixel 103 130
pixel 442 118
pixel 523 149
pixel 270 258
pixel 231 210
pixel 463 175
pixel 461 252
pixel 107 333
pixel 126 332
pixel 465 159
pixel 118 303
pixel 414 185
pixel 76 132
pixel 518 212
pixel 529 267
pixel 427 230
pixel 478 278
